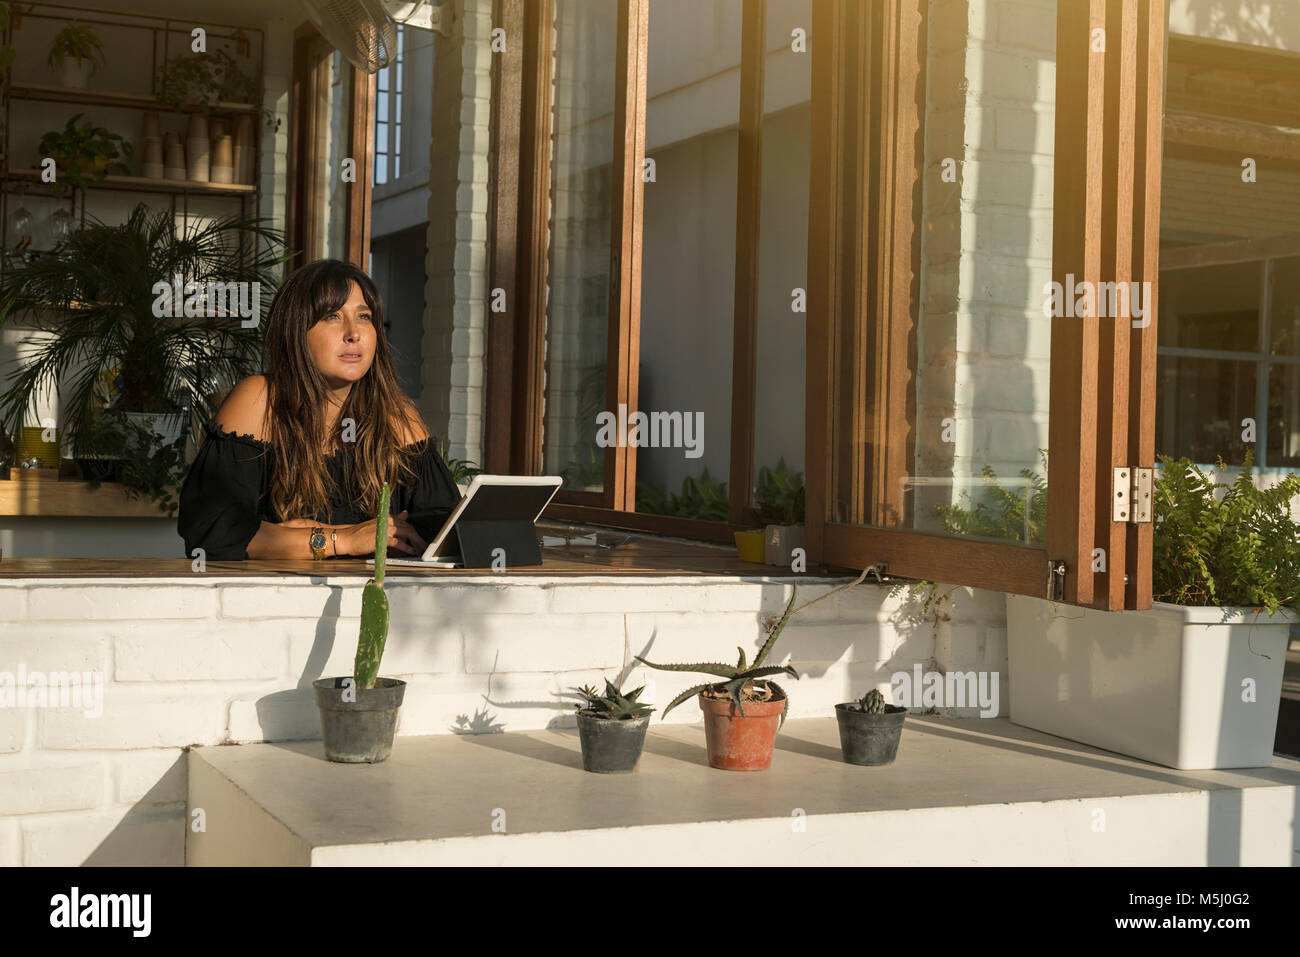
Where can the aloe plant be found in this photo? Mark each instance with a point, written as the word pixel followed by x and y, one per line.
pixel 740 678
pixel 374 606
pixel 612 704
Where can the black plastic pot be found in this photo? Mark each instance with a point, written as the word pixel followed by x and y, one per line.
pixel 870 739
pixel 358 731
pixel 611 745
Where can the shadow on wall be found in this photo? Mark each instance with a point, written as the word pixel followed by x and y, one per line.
pixel 1261 22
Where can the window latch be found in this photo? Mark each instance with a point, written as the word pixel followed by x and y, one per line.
pixel 1055 580
pixel 1131 498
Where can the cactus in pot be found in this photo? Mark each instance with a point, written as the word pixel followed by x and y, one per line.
pixel 611 728
pixel 359 712
pixel 870 729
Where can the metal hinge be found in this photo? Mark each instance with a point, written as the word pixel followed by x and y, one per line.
pixel 1132 495
pixel 1055 579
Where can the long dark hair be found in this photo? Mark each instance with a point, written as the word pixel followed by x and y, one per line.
pixel 297 394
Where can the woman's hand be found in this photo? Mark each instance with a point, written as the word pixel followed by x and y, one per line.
pixel 360 539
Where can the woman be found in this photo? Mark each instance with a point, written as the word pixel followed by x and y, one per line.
pixel 294 460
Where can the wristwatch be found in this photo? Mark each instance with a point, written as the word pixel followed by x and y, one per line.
pixel 317 541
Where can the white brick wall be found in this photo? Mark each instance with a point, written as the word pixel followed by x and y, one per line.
pixel 988 242
pixel 478 654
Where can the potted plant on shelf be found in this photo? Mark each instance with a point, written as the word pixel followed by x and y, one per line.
pixel 1193 682
pixel 870 729
pixel 76 54
pixel 779 508
pixel 742 713
pixel 358 714
pixel 204 81
pixel 611 728
pixel 95 299
pixel 83 155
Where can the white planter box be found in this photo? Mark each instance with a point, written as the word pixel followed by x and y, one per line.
pixel 1164 685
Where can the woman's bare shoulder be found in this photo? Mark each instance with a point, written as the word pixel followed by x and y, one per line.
pixel 413 429
pixel 244 411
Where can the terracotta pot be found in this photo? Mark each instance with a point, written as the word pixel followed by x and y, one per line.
pixel 197 128
pixel 222 161
pixel 152 163
pixel 740 742
pixel 243 140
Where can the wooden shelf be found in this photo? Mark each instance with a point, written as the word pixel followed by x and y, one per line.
pixel 45 498
pixel 147 184
pixel 136 101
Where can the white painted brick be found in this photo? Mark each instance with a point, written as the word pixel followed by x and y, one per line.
pixel 456 704
pixel 416 645
pixel 11 843
pixel 107 602
pixel 51 786
pixel 290 601
pixel 201 651
pixel 117 837
pixel 53 646
pixel 552 644
pixel 1027 26
pixel 13 603
pixel 13 729
pixel 150 776
pixel 427 599
pixel 136 717
pixel 289 715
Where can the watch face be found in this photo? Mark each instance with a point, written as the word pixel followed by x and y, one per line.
pixel 318 541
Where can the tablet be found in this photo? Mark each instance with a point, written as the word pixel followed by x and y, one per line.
pixel 493 526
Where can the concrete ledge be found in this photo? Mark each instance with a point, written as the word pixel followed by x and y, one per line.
pixel 981 792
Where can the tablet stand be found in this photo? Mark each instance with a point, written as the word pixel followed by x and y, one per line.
pixel 517 538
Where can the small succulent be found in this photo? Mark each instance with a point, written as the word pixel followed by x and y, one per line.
pixel 740 677
pixel 612 704
pixel 873 702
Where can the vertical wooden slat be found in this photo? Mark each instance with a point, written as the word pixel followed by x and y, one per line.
pixel 825 260
pixel 361 141
pixel 503 232
pixel 1119 142
pixel 749 197
pixel 533 229
pixel 627 196
pixel 1076 256
pixel 1149 94
pixel 898 265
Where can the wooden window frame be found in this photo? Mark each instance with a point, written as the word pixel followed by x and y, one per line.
pixel 863 267
pixel 306 169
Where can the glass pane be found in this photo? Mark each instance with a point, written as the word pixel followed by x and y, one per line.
pixel 331 203
pixel 1284 416
pixel 1284 307
pixel 783 263
pixel 1229 249
pixel 689 256
pixel 1214 395
pixel 1213 307
pixel 965 454
pixel 577 309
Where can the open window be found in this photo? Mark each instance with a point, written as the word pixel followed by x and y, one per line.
pixel 914 260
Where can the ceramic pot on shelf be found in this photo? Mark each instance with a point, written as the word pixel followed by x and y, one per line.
pixel 174 155
pixel 222 161
pixel 197 148
pixel 151 164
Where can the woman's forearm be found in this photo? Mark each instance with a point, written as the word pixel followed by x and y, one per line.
pixel 288 540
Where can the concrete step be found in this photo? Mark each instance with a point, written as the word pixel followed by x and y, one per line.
pixel 963 791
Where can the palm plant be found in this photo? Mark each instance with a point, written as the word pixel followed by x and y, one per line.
pixel 96 295
pixel 740 678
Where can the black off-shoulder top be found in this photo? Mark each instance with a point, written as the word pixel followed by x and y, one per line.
pixel 225 497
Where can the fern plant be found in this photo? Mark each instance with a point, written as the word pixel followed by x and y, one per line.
pixel 1010 515
pixel 1217 544
pixel 612 705
pixel 701 498
pixel 461 470
pixel 741 678
pixel 779 495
